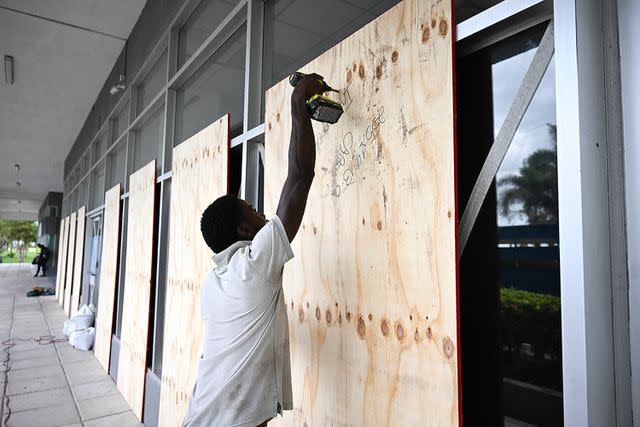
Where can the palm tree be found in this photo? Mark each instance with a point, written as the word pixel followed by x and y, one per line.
pixel 534 191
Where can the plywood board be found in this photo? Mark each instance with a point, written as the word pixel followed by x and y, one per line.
pixel 59 257
pixel 132 364
pixel 68 282
pixel 79 259
pixel 108 276
pixel 65 246
pixel 372 292
pixel 199 176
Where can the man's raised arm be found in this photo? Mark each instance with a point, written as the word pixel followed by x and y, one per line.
pixel 302 156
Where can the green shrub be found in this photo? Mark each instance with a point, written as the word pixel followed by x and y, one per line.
pixel 533 318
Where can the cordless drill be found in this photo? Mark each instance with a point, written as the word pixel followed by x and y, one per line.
pixel 321 108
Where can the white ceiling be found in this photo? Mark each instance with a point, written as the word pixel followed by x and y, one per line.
pixel 63 52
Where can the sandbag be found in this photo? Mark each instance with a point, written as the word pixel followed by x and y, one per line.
pixel 83 339
pixel 68 327
pixel 85 317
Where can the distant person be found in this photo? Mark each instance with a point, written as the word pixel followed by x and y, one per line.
pixel 43 256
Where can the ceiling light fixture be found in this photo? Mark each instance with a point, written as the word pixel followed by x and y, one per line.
pixel 8 69
pixel 119 86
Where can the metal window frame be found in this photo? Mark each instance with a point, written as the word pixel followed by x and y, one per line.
pixel 593 334
pixel 628 17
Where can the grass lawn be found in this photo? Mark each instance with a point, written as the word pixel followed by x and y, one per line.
pixel 31 253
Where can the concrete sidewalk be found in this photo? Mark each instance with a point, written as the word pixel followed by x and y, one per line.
pixel 51 384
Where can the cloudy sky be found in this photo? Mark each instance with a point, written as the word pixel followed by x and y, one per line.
pixel 533 133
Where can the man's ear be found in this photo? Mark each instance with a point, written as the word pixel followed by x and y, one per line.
pixel 245 231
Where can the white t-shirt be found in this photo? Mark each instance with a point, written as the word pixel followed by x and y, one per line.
pixel 244 375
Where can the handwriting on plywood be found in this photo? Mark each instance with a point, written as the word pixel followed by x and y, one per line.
pixel 79 258
pixel 352 154
pixel 70 263
pixel 200 166
pixel 132 363
pixel 371 294
pixel 108 276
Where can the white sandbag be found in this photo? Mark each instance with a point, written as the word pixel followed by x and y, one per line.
pixel 86 309
pixel 69 326
pixel 84 321
pixel 84 317
pixel 83 339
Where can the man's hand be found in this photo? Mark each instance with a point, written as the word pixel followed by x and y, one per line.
pixel 309 85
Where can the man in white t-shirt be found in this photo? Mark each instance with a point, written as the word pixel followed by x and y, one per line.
pixel 244 374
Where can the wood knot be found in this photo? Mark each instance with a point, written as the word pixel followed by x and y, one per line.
pixel 384 327
pixel 416 335
pixel 400 331
pixel 361 71
pixel 433 22
pixel 429 333
pixel 349 76
pixel 327 315
pixel 394 56
pixel 340 318
pixel 307 304
pixel 379 225
pixel 348 316
pixel 362 329
pixel 378 71
pixel 278 117
pixel 318 313
pixel 301 314
pixel 355 67
pixel 443 27
pixel 447 346
pixel 370 317
pixel 425 35
pixel 315 230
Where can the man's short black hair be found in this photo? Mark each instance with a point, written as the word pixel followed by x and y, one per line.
pixel 220 221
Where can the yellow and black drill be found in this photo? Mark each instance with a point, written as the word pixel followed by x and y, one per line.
pixel 321 108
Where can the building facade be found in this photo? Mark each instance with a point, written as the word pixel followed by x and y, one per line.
pixel 558 229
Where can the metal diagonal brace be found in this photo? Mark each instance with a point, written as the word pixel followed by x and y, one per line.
pixel 498 150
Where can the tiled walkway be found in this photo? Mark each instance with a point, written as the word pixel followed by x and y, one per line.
pixel 54 384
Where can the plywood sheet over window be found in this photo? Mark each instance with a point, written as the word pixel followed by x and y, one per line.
pixel 200 166
pixel 108 276
pixel 71 248
pixel 79 258
pixel 65 246
pixel 61 259
pixel 132 363
pixel 372 295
